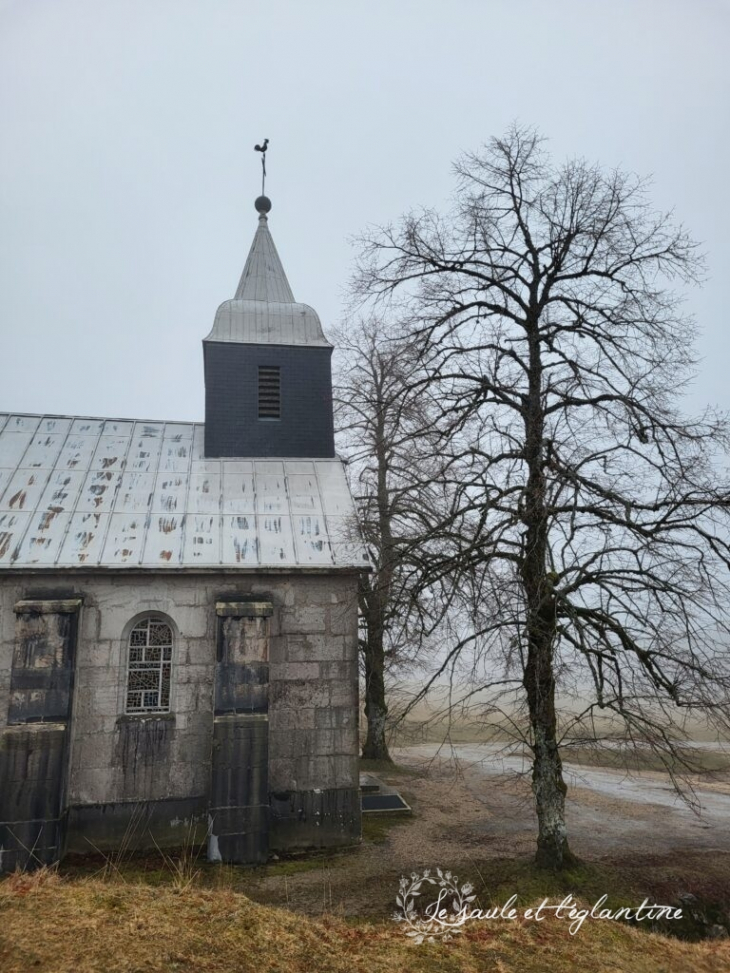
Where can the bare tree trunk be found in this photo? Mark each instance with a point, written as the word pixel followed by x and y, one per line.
pixel 548 785
pixel 376 710
pixel 547 773
pixel 377 598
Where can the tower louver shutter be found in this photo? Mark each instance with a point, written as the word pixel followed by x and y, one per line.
pixel 269 392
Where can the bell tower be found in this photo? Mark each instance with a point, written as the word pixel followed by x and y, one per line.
pixel 268 372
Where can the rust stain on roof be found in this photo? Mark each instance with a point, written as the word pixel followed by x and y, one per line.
pixel 106 492
pixel 18 500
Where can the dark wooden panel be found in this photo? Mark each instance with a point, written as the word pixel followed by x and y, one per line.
pixel 239 789
pixel 34 745
pixel 239 805
pixel 32 771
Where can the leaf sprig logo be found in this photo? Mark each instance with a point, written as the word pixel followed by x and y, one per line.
pixel 442 918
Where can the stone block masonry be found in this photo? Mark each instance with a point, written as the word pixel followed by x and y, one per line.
pixel 128 777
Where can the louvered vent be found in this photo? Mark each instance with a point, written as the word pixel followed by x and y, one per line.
pixel 269 392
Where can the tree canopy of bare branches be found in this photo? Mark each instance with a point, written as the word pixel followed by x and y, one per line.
pixel 588 510
pixel 385 431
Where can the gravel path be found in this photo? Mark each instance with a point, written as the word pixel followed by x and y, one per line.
pixel 471 805
pixel 607 810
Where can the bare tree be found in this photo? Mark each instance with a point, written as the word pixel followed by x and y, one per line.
pixel 585 504
pixel 386 436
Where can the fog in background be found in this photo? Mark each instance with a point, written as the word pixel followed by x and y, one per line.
pixel 127 175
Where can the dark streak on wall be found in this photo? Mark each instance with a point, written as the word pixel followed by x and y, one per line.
pixel 141 752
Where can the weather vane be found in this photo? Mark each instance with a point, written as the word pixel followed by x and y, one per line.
pixel 262 149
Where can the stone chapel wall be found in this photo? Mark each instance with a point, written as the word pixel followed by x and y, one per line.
pixel 153 772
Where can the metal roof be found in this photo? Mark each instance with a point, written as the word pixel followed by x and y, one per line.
pixel 263 310
pixel 255 323
pixel 116 493
pixel 263 277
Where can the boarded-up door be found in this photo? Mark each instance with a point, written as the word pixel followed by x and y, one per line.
pixel 239 787
pixel 34 745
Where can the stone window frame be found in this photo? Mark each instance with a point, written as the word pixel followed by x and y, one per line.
pixel 135 665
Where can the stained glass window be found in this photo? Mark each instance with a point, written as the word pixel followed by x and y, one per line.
pixel 150 662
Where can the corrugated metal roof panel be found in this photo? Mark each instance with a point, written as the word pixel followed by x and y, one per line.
pixel 99 492
pixel 87 427
pixel 144 453
pixel 22 423
pixel 25 489
pixel 239 540
pixel 14 446
pixel 63 489
pixel 12 527
pixel 43 450
pixel 85 538
pixel 42 540
pixel 117 493
pixel 205 493
pixel 5 477
pixel 55 425
pixel 135 492
pixel 311 539
pixel 125 540
pixel 77 452
pixel 202 539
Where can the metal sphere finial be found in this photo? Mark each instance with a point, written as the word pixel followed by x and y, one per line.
pixel 263 204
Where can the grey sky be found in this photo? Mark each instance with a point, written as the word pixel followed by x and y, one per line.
pixel 127 175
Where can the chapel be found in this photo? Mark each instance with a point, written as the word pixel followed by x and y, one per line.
pixel 178 608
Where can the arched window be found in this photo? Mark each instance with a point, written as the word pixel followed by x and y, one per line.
pixel 148 667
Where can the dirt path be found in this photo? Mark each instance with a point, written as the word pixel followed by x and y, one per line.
pixel 469 812
pixel 608 811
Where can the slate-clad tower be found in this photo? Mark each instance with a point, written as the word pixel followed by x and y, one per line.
pixel 268 377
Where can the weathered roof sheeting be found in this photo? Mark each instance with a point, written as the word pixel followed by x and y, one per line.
pixel 263 311
pixel 124 494
pixel 263 277
pixel 256 323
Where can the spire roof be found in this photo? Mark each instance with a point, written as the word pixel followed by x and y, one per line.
pixel 263 311
pixel 263 277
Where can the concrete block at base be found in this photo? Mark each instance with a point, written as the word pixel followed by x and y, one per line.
pixel 319 818
pixel 137 825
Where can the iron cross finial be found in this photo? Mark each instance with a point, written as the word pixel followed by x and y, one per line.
pixel 262 149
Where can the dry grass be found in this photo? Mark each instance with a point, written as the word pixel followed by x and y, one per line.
pixel 48 923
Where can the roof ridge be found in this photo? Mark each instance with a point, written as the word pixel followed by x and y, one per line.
pixel 69 415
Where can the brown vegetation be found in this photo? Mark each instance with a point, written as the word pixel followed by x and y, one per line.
pixel 84 925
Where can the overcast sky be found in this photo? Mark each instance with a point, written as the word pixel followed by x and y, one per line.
pixel 127 175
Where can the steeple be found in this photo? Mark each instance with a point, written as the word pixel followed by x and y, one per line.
pixel 268 382
pixel 263 277
pixel 263 310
